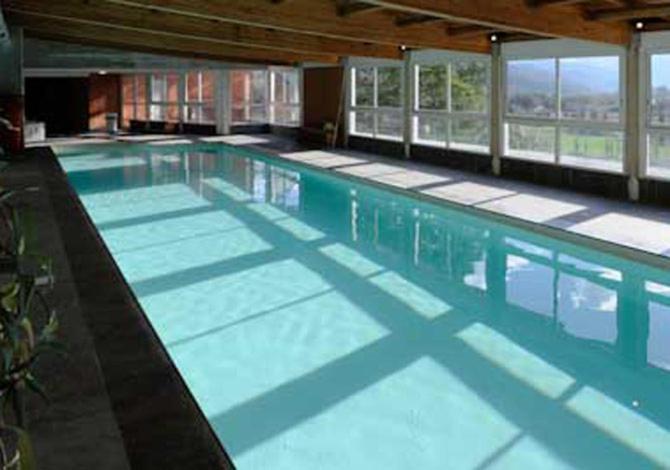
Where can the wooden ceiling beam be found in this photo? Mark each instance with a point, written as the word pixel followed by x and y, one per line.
pixel 544 3
pixel 316 17
pixel 167 43
pixel 349 7
pixel 411 20
pixel 630 13
pixel 469 31
pixel 227 33
pixel 515 15
pixel 145 49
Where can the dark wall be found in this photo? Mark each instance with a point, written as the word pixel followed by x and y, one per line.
pixel 61 103
pixel 322 88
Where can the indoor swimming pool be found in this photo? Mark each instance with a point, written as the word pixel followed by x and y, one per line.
pixel 323 323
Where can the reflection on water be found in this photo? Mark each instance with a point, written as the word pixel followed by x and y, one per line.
pixel 321 323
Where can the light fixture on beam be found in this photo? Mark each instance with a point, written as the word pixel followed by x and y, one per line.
pixel 494 37
pixel 639 25
pixel 403 48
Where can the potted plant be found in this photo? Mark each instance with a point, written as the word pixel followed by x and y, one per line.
pixel 24 334
pixel 329 133
pixel 5 127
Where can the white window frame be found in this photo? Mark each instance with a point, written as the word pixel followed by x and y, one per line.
pixel 165 103
pixel 198 103
pixel 138 80
pixel 447 60
pixel 657 43
pixel 557 50
pixel 247 103
pixel 275 104
pixel 352 108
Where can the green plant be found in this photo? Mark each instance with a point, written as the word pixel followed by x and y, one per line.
pixel 28 326
pixel 21 343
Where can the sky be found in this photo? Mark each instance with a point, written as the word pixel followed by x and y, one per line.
pixel 660 70
pixel 578 76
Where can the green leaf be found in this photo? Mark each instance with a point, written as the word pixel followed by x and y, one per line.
pixel 36 387
pixel 26 451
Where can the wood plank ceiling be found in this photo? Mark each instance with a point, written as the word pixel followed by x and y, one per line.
pixel 292 31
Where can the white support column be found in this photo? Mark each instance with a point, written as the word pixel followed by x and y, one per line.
pixel 271 96
pixel 223 102
pixel 147 103
pixel 635 109
pixel 408 103
pixel 181 99
pixel 497 106
pixel 346 79
pixel 301 93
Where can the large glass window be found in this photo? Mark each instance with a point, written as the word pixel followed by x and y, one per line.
pixel 134 97
pixel 165 97
pixel 432 87
pixel 377 102
pixel 469 86
pixel 249 90
pixel 199 94
pixel 590 89
pixel 285 97
pixel 531 88
pixel 566 110
pixel 658 119
pixel 451 104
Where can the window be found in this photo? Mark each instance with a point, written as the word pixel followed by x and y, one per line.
pixel 658 118
pixel 165 97
pixel 660 89
pixel 590 89
pixel 249 96
pixel 134 96
pixel 532 141
pixel 451 104
pixel 531 88
pixel 285 97
pixel 377 102
pixel 199 94
pixel 556 112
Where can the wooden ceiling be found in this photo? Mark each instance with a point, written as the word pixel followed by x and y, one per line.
pixel 292 31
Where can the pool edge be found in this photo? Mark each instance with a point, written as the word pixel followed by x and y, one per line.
pixel 630 253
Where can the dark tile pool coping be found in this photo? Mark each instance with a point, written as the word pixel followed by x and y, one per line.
pixel 160 423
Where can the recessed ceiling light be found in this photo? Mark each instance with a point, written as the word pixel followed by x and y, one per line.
pixel 102 72
pixel 639 25
pixel 494 38
pixel 403 47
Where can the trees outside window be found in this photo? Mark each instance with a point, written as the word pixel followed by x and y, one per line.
pixel 451 104
pixel 377 102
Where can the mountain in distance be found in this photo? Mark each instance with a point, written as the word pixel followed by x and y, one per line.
pixel 578 77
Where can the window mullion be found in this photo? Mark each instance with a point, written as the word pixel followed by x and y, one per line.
pixel 449 103
pixel 375 101
pixel 559 114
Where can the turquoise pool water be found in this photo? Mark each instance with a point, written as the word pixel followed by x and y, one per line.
pixel 326 324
